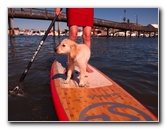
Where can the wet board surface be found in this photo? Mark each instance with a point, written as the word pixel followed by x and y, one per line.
pixel 100 100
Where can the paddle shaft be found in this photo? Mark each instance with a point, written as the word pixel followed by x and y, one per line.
pixel 37 50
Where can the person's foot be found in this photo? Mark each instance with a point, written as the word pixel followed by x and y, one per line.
pixel 89 70
pixel 65 71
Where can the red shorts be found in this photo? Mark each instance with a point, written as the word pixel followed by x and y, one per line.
pixel 80 16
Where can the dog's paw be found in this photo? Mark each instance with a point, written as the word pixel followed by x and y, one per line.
pixel 81 84
pixel 66 81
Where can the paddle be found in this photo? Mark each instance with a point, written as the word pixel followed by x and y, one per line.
pixel 17 89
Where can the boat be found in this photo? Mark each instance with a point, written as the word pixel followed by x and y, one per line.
pixel 41 32
pixel 35 32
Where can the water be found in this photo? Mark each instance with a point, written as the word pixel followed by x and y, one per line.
pixel 131 62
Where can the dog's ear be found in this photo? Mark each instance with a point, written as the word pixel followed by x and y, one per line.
pixel 73 51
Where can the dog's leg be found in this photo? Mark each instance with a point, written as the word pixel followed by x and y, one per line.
pixel 69 73
pixel 82 76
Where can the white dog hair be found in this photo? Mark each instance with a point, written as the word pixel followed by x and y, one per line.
pixel 78 54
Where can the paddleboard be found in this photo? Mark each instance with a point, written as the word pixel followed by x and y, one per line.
pixel 101 99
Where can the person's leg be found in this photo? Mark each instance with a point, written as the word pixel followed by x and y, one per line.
pixel 87 35
pixel 86 39
pixel 72 36
pixel 73 32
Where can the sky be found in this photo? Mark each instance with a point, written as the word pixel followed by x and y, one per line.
pixel 145 16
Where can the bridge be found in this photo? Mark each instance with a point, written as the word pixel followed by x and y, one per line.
pixel 45 14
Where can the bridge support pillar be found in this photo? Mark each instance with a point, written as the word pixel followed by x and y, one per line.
pixel 112 32
pixel 149 34
pixel 107 32
pixel 11 27
pixel 138 34
pixel 54 33
pixel 144 34
pixel 58 29
pixel 130 33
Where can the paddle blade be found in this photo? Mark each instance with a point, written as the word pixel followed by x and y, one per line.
pixel 17 91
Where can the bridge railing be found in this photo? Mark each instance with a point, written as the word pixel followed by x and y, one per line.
pixel 49 14
pixel 34 13
pixel 122 25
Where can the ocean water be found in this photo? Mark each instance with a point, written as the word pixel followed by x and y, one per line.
pixel 131 62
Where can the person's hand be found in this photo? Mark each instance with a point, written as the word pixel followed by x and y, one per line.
pixel 58 11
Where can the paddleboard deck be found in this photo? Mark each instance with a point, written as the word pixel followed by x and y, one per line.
pixel 101 99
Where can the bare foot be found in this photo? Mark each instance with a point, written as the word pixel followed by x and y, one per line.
pixel 89 70
pixel 65 71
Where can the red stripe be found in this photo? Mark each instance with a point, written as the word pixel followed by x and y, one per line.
pixel 57 103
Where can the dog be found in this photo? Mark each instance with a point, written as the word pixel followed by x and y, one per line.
pixel 78 54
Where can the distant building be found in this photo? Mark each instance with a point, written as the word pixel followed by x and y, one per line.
pixel 153 33
pixel 153 25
